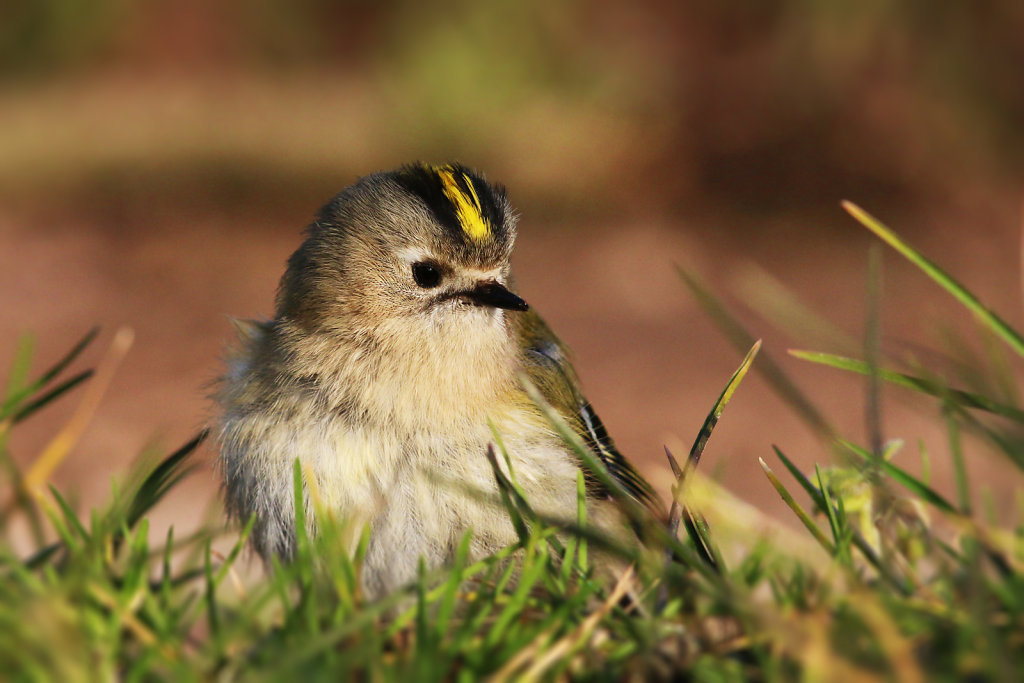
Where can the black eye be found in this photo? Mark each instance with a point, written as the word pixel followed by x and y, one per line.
pixel 427 275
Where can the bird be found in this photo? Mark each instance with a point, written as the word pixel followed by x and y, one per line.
pixel 398 350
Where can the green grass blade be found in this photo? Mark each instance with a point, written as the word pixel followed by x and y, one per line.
pixel 162 479
pixel 33 406
pixel 1004 443
pixel 20 367
pixel 581 520
pixel 988 318
pixel 820 502
pixel 774 301
pixel 700 535
pixel 716 411
pixel 43 555
pixel 515 505
pixel 805 483
pixel 872 350
pixel 532 571
pixel 449 596
pixel 797 509
pixel 675 512
pixel 210 598
pixel 569 560
pixel 767 367
pixel 70 515
pixel 137 565
pixel 963 489
pixel 17 397
pixel 69 536
pixel 233 554
pixel 904 478
pixel 919 384
pixel 696 525
pixel 837 521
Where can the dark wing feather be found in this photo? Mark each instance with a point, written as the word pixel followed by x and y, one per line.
pixel 546 363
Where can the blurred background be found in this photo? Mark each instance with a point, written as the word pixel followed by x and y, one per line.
pixel 158 161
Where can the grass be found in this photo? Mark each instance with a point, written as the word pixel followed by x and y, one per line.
pixel 904 583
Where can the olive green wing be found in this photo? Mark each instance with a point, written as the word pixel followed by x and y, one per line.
pixel 545 360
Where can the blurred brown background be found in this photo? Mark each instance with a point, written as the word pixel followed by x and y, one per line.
pixel 159 159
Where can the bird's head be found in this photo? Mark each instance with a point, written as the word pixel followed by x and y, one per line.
pixel 421 250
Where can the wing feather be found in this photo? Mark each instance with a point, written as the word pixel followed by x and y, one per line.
pixel 546 362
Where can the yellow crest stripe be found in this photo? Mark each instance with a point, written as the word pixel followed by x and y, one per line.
pixel 467 205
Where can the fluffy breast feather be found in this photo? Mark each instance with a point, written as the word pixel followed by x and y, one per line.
pixel 402 458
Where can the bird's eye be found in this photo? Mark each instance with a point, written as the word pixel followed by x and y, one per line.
pixel 427 275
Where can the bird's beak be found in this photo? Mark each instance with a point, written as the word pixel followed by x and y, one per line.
pixel 491 293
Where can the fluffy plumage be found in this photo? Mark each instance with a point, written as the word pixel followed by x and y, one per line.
pixel 383 382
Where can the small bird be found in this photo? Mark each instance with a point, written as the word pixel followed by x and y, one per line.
pixel 397 345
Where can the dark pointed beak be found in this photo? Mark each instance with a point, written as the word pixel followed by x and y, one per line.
pixel 495 295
